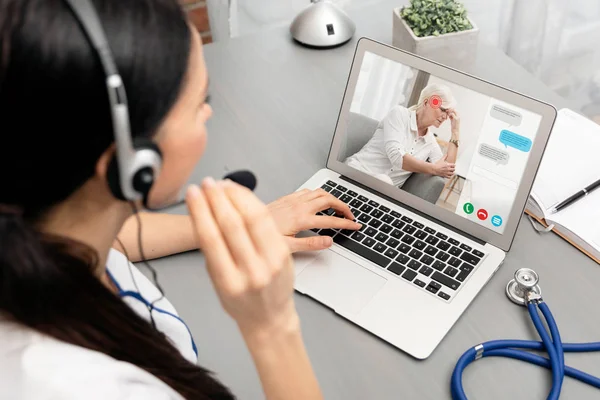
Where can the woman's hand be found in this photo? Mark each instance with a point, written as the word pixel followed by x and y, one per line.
pixel 454 123
pixel 247 257
pixel 443 168
pixel 297 212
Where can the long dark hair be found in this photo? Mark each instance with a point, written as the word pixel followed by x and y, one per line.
pixel 55 125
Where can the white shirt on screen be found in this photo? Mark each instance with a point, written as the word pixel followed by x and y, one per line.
pixel 395 136
pixel 34 366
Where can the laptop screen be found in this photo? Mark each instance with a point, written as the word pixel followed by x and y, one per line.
pixel 461 150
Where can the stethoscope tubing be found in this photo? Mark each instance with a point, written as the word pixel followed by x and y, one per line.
pixel 551 343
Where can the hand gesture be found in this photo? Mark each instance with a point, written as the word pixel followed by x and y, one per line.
pixel 443 168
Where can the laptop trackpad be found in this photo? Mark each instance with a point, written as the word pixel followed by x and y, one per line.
pixel 339 283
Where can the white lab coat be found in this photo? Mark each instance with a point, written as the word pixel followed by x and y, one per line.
pixel 37 367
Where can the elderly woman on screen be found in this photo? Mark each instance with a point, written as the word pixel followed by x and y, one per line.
pixel 403 143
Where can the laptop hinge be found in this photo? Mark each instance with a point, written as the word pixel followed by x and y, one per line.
pixel 422 214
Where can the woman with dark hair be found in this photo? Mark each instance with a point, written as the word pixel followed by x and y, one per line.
pixel 77 319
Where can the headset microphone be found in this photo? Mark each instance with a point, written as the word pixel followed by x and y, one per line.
pixel 243 177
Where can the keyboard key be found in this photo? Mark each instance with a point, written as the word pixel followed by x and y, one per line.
pixel 407 219
pixel 419 245
pixel 455 262
pixel 363 198
pixel 443 295
pixel 381 237
pixel 407 239
pixel 409 229
pixel 414 265
pixel 386 228
pixel 442 256
pixel 357 236
pixel 451 272
pixel 420 234
pixel 454 242
pixel 416 254
pixel 332 183
pixel 375 223
pixel 396 234
pixel 404 248
pixel 455 251
pixel 377 213
pixel 327 232
pixel 418 225
pixel 373 203
pixel 362 251
pixel 467 267
pixel 336 193
pixel 329 211
pixel 395 214
pixel 396 268
pixel 398 224
pixel 443 245
pixel 403 259
pixel 379 247
pixel 445 280
pixel 439 265
pixel 441 236
pixel 470 258
pixel 370 231
pixel 419 283
pixel 345 198
pixel 392 243
pixel 366 208
pixel 347 232
pixel 327 188
pixel 426 271
pixel 356 203
pixel 369 242
pixel 433 287
pixel 430 250
pixel 384 209
pixel 315 230
pixel 409 275
pixel 351 193
pixel 429 230
pixel 427 259
pixel 387 218
pixel 432 240
pixel 341 188
pixel 355 212
pixel 465 247
pixel 364 218
pixel 462 275
pixel 478 253
pixel 391 253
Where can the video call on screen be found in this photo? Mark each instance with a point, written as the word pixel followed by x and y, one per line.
pixel 403 122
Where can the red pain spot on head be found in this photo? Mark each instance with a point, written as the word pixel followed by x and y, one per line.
pixel 435 101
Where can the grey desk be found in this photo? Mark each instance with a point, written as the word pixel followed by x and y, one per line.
pixel 276 106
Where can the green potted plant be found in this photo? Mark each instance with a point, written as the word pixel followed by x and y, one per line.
pixel 437 29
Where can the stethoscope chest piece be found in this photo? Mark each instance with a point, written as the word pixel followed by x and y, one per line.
pixel 525 282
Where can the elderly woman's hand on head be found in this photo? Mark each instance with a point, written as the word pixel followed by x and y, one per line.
pixel 297 212
pixel 455 123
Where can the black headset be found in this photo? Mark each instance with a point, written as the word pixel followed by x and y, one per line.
pixel 137 162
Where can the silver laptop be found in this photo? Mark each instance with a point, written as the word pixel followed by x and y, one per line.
pixel 429 242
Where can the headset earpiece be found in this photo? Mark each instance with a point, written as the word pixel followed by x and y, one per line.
pixel 146 164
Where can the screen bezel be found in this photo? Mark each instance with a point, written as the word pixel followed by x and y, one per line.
pixel 546 111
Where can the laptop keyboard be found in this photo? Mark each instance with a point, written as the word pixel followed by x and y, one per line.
pixel 408 249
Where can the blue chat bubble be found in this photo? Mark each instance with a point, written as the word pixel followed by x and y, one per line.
pixel 508 138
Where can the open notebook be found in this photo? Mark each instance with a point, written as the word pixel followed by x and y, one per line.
pixel 570 163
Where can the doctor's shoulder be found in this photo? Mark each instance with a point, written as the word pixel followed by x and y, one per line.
pixel 35 366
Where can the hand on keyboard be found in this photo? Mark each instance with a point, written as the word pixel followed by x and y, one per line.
pixel 297 212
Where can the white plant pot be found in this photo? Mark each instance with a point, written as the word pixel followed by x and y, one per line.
pixel 457 49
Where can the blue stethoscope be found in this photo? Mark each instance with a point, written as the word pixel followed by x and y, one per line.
pixel 524 290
